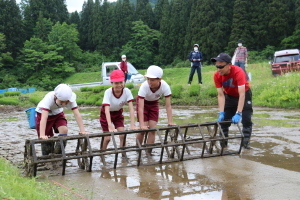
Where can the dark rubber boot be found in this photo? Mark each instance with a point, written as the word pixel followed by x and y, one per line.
pixel 57 148
pixel 247 134
pixel 46 148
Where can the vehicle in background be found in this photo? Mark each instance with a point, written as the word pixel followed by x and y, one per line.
pixel 133 75
pixel 285 61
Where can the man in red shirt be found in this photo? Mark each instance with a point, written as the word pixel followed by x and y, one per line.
pixel 234 96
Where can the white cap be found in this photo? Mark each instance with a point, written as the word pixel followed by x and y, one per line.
pixel 123 56
pixel 154 72
pixel 64 93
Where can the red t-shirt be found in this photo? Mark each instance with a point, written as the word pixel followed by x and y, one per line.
pixel 230 82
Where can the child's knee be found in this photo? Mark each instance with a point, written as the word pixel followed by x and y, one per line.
pixel 107 139
pixel 63 130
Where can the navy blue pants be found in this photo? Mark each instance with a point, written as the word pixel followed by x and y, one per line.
pixel 193 69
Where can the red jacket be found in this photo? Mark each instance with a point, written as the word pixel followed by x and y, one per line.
pixel 123 66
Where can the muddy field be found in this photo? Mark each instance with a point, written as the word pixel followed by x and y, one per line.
pixel 269 170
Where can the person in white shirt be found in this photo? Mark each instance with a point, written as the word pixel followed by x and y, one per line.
pixel 148 103
pixel 111 115
pixel 50 116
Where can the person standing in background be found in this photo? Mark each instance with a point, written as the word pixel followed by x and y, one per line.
pixel 195 57
pixel 124 67
pixel 241 55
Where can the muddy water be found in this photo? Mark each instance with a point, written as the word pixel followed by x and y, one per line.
pixel 269 170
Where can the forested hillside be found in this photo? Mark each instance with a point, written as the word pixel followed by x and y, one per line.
pixel 152 2
pixel 41 43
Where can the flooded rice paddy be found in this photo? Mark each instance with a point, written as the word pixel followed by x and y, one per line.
pixel 269 170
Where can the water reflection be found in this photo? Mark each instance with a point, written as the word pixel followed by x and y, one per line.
pixel 170 181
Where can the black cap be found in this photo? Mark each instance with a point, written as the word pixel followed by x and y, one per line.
pixel 222 57
pixel 240 41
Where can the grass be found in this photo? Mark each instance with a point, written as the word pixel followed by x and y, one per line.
pixel 278 92
pixel 84 78
pixel 14 186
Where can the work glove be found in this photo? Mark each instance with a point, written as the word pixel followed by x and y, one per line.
pixel 221 116
pixel 236 118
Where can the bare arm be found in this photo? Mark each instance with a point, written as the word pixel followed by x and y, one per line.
pixel 241 102
pixel 169 111
pixel 43 124
pixel 141 113
pixel 79 121
pixel 221 99
pixel 131 114
pixel 111 128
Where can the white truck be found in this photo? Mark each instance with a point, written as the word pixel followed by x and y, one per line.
pixel 133 75
pixel 107 67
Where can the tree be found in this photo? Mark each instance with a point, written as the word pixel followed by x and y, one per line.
pixel 43 28
pixel 140 48
pixel 241 24
pixel 297 14
pixel 179 16
pixel 158 12
pixel 209 26
pixel 65 37
pixel 97 36
pixel 2 47
pixel 44 66
pixel 109 31
pixel 144 12
pixel 125 22
pixel 278 10
pixel 6 60
pixel 165 31
pixel 85 28
pixel 74 18
pixel 291 42
pixel 11 26
pixel 259 24
pixel 55 10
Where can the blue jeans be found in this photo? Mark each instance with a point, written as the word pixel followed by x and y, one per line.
pixel 193 68
pixel 241 65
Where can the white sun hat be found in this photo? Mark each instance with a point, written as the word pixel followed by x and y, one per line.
pixel 64 93
pixel 154 72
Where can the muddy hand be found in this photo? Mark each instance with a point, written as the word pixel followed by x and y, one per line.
pixel 44 137
pixel 144 127
pixel 83 133
pixel 133 128
pixel 172 124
